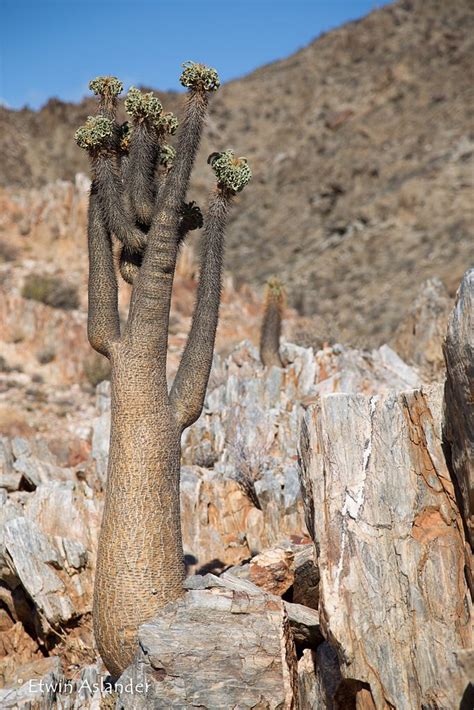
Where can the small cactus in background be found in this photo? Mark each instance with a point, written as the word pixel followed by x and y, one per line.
pixel 275 301
pixel 138 196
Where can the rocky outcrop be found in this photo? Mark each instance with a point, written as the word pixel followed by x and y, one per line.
pixel 240 490
pixel 48 541
pixel 375 493
pixel 381 506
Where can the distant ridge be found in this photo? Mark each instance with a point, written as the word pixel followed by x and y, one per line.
pixel 361 146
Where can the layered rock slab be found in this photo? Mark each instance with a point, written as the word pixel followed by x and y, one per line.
pixel 215 648
pixel 381 506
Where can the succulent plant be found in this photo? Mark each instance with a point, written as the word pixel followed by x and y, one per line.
pixel 108 86
pixel 275 286
pixel 199 77
pixel 167 155
pixel 270 333
pixel 167 123
pixel 232 173
pixel 140 559
pixel 191 216
pixel 96 131
pixel 141 105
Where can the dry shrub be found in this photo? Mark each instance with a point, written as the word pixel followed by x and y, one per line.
pixel 51 290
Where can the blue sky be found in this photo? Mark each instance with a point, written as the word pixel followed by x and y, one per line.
pixel 53 47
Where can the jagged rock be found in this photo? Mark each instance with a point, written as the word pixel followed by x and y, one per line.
pixel 305 625
pixel 419 337
pixel 459 399
pixel 244 498
pixel 17 647
pixel 307 687
pixel 34 686
pixel 42 685
pixel 341 369
pixel 215 648
pixel 381 506
pixel 305 588
pixel 101 431
pixel 47 549
pixel 39 327
pixel 250 414
pixel 304 621
pixel 67 510
pixel 319 678
pixel 36 560
pixel 33 461
pixel 288 569
pixel 9 509
pixel 272 570
pixel 221 524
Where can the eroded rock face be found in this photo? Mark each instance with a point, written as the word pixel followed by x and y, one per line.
pixel 390 542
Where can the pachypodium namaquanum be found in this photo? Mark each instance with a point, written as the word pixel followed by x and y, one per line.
pixel 270 333
pixel 137 197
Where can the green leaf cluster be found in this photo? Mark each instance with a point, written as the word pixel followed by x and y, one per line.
pixel 232 173
pixel 199 77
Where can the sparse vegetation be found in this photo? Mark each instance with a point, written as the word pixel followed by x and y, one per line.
pixel 312 332
pixel 51 290
pixel 4 366
pixel 7 252
pixel 45 355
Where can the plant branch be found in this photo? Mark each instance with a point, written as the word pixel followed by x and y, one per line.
pixel 139 175
pixel 189 388
pixel 103 325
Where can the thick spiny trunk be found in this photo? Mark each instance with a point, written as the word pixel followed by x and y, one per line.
pixel 140 557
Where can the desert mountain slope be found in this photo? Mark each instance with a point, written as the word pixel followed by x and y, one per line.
pixel 361 146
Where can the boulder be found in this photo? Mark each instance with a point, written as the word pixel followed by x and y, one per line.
pixel 214 648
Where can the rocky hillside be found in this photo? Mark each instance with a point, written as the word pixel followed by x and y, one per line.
pixel 335 449
pixel 361 146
